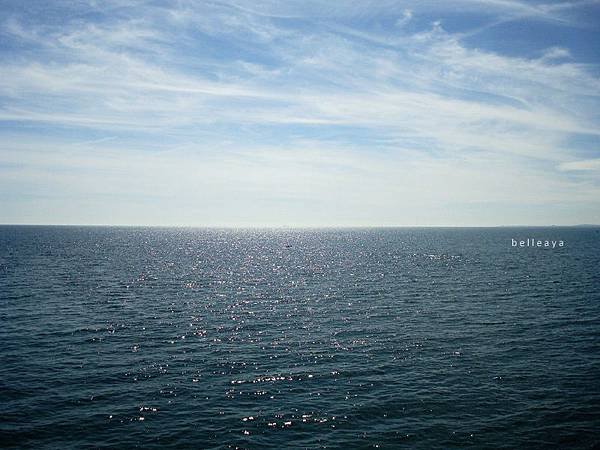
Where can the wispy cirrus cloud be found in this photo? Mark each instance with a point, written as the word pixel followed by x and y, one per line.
pixel 260 88
pixel 586 164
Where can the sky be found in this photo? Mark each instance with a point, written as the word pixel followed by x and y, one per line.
pixel 249 113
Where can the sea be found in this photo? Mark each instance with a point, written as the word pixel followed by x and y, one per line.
pixel 424 338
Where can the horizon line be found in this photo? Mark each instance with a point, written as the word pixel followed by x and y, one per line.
pixel 289 227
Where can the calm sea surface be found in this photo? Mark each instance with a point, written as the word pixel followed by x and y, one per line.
pixel 414 338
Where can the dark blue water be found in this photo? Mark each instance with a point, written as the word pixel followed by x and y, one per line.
pixel 416 338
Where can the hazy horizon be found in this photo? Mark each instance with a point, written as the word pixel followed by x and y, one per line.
pixel 288 227
pixel 300 114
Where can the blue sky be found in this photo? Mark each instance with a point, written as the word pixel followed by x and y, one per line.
pixel 300 113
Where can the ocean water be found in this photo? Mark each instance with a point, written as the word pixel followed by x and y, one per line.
pixel 350 338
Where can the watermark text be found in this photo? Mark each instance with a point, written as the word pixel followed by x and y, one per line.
pixel 541 243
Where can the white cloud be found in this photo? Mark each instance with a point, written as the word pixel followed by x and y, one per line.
pixel 407 123
pixel 582 165
pixel 556 53
pixel 406 17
